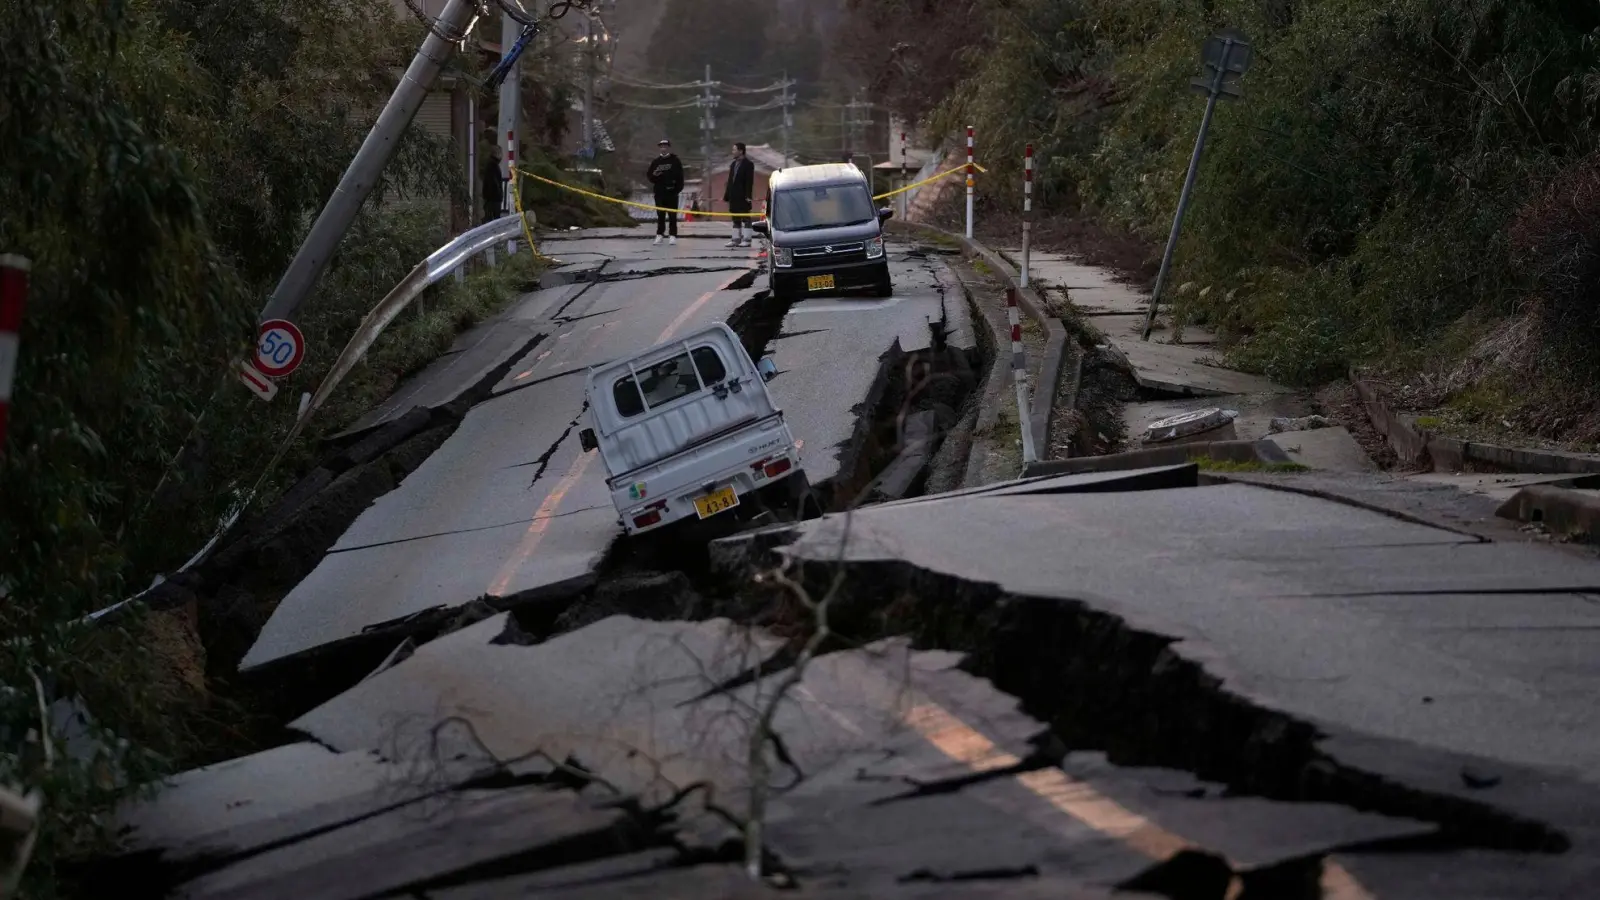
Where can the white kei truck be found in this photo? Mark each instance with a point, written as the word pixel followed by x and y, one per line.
pixel 688 429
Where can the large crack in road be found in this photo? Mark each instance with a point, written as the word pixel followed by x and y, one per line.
pixel 1064 737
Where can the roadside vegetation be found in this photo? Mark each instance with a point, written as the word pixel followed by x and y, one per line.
pixel 1411 187
pixel 163 161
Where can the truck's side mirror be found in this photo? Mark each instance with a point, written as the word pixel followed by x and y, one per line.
pixel 587 440
pixel 885 214
pixel 767 368
pixel 761 227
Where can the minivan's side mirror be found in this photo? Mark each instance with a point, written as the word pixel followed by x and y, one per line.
pixel 761 227
pixel 885 214
pixel 767 368
pixel 587 440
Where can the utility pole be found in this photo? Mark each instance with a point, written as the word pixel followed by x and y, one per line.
pixel 311 260
pixel 510 118
pixel 788 119
pixel 855 123
pixel 708 124
pixel 588 84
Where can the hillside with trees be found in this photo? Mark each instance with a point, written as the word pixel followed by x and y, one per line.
pixel 1411 186
pixel 163 162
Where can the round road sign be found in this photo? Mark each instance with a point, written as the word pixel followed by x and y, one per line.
pixel 280 348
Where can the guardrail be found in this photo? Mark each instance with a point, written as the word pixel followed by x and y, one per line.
pixel 439 265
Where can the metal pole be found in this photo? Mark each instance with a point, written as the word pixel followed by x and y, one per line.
pixel 13 295
pixel 1027 210
pixel 362 175
pixel 969 182
pixel 1019 377
pixel 510 116
pixel 588 85
pixel 1188 186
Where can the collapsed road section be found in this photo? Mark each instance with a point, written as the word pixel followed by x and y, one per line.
pixel 1149 681
pixel 512 511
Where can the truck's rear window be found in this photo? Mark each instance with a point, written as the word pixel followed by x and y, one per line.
pixel 667 381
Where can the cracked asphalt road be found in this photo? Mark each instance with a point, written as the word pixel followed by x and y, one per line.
pixel 471 522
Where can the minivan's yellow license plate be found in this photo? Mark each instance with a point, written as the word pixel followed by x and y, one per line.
pixel 716 502
pixel 819 283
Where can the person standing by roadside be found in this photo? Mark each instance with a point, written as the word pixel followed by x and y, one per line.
pixel 739 192
pixel 494 187
pixel 666 177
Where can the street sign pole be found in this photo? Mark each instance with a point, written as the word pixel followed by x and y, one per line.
pixel 1232 56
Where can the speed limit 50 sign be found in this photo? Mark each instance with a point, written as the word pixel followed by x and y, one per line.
pixel 280 348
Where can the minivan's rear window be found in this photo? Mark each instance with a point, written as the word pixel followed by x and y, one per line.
pixel 801 208
pixel 669 380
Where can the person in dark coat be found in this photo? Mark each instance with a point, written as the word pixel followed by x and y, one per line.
pixel 494 186
pixel 740 193
pixel 666 177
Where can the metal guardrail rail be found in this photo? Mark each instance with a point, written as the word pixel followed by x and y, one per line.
pixel 439 265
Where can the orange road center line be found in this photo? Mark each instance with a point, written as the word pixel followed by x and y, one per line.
pixel 1079 800
pixel 534 536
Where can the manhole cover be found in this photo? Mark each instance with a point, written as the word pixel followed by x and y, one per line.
pixel 1185 424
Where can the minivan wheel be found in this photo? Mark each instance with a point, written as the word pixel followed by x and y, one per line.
pixel 884 286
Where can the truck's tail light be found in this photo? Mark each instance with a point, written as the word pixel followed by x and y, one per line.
pixel 777 467
pixel 651 515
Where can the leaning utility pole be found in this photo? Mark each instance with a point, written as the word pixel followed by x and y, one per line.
pixel 363 173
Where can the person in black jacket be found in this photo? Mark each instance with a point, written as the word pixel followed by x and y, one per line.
pixel 493 184
pixel 740 192
pixel 666 176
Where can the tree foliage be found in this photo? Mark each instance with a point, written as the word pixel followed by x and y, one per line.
pixel 163 160
pixel 1356 202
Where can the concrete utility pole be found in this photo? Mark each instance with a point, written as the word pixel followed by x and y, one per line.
pixel 708 124
pixel 510 114
pixel 362 175
pixel 787 99
pixel 588 86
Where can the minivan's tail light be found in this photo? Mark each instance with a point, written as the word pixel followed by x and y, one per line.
pixel 777 467
pixel 875 248
pixel 782 257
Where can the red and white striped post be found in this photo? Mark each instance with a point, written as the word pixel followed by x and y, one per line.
pixel 969 181
pixel 1027 210
pixel 13 294
pixel 511 185
pixel 905 177
pixel 1019 377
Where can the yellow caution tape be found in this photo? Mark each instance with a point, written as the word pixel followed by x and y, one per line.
pixel 689 212
pixel 729 215
pixel 917 184
pixel 527 233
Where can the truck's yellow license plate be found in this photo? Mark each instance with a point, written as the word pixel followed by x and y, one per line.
pixel 716 502
pixel 819 283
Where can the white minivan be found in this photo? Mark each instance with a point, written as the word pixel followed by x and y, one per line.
pixel 687 429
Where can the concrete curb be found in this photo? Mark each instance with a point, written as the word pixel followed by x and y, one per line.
pixel 1561 510
pixel 1264 452
pixel 1416 446
pixel 994 383
pixel 1032 303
